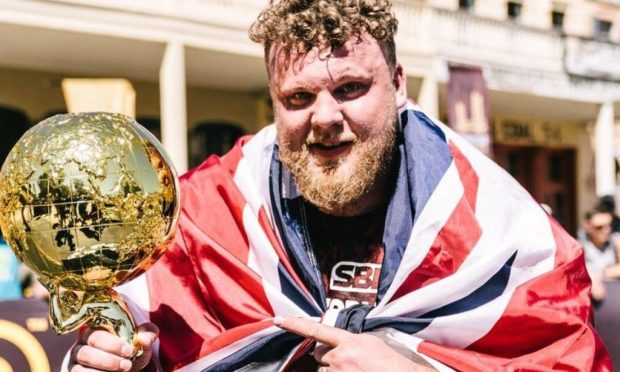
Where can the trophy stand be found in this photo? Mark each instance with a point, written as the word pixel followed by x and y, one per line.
pixel 89 201
pixel 98 308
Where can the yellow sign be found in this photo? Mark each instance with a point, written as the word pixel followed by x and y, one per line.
pixel 528 132
pixel 27 344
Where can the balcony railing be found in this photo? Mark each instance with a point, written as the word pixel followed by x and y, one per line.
pixel 424 32
pixel 464 37
pixel 592 58
pixel 227 13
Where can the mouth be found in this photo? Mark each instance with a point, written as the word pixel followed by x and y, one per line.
pixel 331 151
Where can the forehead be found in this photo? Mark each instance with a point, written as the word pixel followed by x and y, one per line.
pixel 601 218
pixel 358 55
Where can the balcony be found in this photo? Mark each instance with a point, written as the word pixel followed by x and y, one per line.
pixel 470 39
pixel 131 36
pixel 592 59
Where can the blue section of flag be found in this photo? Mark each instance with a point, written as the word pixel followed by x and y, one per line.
pixel 295 294
pixel 489 291
pixel 486 293
pixel 269 350
pixel 424 157
pixel 288 221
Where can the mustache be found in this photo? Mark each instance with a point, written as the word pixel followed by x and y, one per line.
pixel 330 140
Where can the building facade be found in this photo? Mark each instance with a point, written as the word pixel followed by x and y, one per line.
pixel 548 82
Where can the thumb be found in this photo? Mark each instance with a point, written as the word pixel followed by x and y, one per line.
pixel 147 334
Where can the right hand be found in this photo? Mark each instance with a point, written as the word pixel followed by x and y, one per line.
pixel 598 292
pixel 98 350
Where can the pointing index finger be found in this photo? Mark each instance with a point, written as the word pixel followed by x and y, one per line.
pixel 327 335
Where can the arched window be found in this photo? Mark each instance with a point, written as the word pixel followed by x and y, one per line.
pixel 209 138
pixel 13 124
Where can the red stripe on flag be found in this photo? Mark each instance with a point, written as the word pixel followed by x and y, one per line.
pixel 546 322
pixel 456 238
pixel 178 306
pixel 215 243
pixel 236 290
pixel 214 203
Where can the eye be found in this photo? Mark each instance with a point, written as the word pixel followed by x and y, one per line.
pixel 299 98
pixel 351 90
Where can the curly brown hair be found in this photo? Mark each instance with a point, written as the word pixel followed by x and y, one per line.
pixel 300 25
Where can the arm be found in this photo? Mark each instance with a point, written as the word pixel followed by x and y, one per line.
pixel 613 272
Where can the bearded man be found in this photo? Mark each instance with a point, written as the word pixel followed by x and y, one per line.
pixel 354 234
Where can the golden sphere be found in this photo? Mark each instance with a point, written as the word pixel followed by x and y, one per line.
pixel 88 200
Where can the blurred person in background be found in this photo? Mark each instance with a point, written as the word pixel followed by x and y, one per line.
pixel 32 287
pixel 10 283
pixel 608 203
pixel 602 249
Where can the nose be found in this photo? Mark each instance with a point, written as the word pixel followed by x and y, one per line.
pixel 327 111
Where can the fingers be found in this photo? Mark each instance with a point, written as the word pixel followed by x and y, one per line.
pixel 79 368
pixel 329 336
pixel 107 342
pixel 88 356
pixel 99 350
pixel 319 353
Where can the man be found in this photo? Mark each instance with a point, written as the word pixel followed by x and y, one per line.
pixel 601 248
pixel 356 234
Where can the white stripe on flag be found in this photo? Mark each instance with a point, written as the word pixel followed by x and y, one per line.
pixel 264 261
pixel 225 352
pixel 430 221
pixel 524 227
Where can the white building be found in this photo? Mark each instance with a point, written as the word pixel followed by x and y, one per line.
pixel 549 66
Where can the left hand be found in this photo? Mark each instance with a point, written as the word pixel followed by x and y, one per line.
pixel 346 351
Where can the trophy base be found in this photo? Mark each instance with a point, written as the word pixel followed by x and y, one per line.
pixel 97 308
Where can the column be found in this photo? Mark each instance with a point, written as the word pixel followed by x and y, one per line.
pixel 428 99
pixel 173 104
pixel 604 153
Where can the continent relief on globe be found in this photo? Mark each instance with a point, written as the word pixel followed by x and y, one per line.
pixel 88 199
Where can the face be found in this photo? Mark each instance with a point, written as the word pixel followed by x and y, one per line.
pixel 599 228
pixel 336 119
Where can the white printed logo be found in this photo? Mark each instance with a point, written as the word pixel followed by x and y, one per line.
pixel 356 277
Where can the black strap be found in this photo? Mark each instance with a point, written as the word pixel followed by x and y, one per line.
pixel 352 319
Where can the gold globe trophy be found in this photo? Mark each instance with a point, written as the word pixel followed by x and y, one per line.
pixel 88 201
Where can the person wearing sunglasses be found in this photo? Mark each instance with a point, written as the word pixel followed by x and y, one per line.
pixel 602 249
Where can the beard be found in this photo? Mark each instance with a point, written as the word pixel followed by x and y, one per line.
pixel 341 184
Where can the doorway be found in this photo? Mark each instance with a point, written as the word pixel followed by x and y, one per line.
pixel 549 174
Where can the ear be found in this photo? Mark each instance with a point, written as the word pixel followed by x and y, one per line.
pixel 399 79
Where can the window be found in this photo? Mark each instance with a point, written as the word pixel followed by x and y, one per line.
pixel 557 20
pixel 209 138
pixel 466 4
pixel 514 10
pixel 601 29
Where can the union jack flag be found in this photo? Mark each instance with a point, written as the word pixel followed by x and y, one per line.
pixel 476 276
